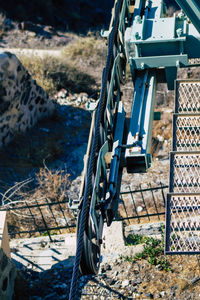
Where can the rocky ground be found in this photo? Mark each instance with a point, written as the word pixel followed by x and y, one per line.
pixel 60 143
pixel 66 15
pixel 135 270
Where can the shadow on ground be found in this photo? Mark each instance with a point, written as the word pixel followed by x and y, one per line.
pixel 58 142
pixel 79 17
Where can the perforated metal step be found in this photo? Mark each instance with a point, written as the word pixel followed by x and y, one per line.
pixel 184 172
pixel 183 203
pixel 186 130
pixel 183 224
pixel 187 97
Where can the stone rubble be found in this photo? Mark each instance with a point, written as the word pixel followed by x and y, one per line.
pixel 120 276
pixel 63 97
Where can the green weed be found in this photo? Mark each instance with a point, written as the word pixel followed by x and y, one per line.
pixel 134 239
pixel 153 250
pixel 51 232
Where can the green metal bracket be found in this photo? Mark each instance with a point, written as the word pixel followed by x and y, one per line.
pixel 142 63
pixel 157 116
pixel 192 9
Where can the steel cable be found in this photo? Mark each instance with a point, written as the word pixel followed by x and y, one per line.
pixel 94 149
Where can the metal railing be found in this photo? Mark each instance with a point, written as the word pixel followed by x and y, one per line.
pixel 39 217
pixel 44 217
pixel 143 203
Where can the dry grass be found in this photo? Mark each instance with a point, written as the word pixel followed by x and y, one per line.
pixel 47 185
pixel 52 184
pixel 75 70
pixel 49 194
pixel 53 74
pixel 182 282
pixel 90 47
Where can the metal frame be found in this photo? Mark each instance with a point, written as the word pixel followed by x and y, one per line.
pixel 45 227
pixel 150 45
pixel 192 10
pixel 138 155
pixel 184 233
pixel 183 202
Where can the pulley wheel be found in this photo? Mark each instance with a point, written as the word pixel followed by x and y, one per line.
pixel 91 252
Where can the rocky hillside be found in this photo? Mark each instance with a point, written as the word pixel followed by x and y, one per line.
pixel 79 16
pixel 58 145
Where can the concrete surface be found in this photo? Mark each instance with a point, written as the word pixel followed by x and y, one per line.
pixel 40 254
pixel 8 270
pixel 4 238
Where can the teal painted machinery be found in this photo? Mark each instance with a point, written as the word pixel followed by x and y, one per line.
pixel 155 46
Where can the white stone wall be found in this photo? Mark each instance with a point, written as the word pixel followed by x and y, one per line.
pixel 8 270
pixel 22 101
pixel 8 273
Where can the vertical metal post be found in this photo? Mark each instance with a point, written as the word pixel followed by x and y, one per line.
pixel 154 201
pixel 144 202
pixel 163 195
pixel 125 210
pixel 49 206
pixel 134 204
pixel 44 221
pixel 32 216
pixel 61 209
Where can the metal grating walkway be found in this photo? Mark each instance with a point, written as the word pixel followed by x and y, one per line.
pixel 183 200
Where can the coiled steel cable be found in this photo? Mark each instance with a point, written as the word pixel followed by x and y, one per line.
pixel 94 149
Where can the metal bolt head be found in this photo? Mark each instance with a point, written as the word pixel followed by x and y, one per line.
pixel 142 66
pixel 138 20
pixel 181 16
pixel 137 36
pixel 177 63
pixel 179 32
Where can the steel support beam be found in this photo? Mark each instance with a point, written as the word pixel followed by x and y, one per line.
pixel 192 9
pixel 138 153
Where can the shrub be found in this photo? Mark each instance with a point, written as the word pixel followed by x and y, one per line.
pixel 53 74
pixel 153 251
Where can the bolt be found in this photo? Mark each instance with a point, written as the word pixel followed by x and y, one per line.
pixel 138 20
pixel 181 16
pixel 137 36
pixel 142 66
pixel 179 32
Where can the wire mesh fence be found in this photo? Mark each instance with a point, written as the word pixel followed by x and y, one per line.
pixel 185 172
pixel 182 218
